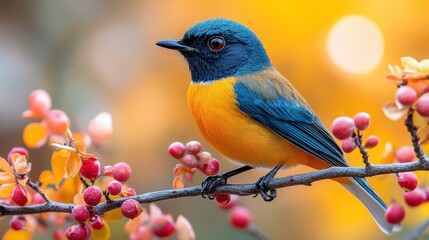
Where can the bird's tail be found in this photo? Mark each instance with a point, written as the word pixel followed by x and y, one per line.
pixel 360 188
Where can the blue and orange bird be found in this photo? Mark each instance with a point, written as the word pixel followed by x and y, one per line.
pixel 250 113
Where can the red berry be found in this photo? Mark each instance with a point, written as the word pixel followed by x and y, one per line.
pixel 231 203
pixel 121 171
pixel 371 142
pixel 114 187
pixel 422 105
pixel 176 150
pixel 131 208
pixel 78 232
pixel 80 213
pixel 343 127
pixel 193 147
pixel 162 226
pixel 19 150
pixel 348 145
pixel 19 195
pixel 58 234
pixel 361 121
pixel 395 213
pixel 210 168
pixel 222 199
pixel 92 195
pixel 415 198
pixel 405 154
pixel 97 223
pixel 408 181
pixel 406 95
pixel 142 233
pixel 57 121
pixel 17 223
pixel 240 217
pixel 190 161
pixel 203 157
pixel 130 192
pixel 90 168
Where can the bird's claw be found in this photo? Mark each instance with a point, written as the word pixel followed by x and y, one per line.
pixel 210 184
pixel 266 193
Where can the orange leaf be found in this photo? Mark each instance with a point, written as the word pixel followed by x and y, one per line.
pixel 6 177
pixel 35 135
pixel 46 177
pixel 178 182
pixel 133 224
pixel 58 163
pixel 13 235
pixel 113 215
pixel 73 164
pixel 4 165
pixel 102 234
pixel 69 189
pixel 6 190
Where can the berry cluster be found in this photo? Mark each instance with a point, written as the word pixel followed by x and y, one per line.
pixel 349 131
pixel 191 158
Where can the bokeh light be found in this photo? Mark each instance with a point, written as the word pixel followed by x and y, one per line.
pixel 355 44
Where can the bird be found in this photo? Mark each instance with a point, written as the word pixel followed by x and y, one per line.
pixel 250 113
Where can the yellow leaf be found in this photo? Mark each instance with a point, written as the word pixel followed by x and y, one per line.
pixel 113 215
pixel 178 182
pixel 73 164
pixel 4 165
pixel 46 177
pixel 102 234
pixel 6 190
pixel 14 235
pixel 58 163
pixel 69 189
pixel 35 135
pixel 6 177
pixel 78 199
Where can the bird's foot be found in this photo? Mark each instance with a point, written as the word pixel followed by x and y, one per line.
pixel 266 193
pixel 211 183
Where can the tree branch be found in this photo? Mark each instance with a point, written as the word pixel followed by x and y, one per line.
pixel 236 189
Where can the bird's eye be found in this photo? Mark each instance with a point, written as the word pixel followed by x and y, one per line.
pixel 216 43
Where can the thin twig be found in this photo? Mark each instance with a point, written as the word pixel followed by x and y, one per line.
pixel 36 188
pixel 362 149
pixel 412 129
pixel 419 230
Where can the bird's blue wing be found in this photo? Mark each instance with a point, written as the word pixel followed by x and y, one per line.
pixel 289 116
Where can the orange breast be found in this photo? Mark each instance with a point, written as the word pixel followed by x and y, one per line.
pixel 236 135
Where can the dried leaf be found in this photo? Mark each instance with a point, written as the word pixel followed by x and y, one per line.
pixel 410 63
pixel 184 230
pixel 424 66
pixel 178 182
pixel 392 111
pixel 73 164
pixel 34 135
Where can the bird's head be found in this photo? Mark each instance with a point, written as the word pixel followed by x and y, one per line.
pixel 220 48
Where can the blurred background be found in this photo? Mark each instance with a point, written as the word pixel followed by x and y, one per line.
pixel 99 55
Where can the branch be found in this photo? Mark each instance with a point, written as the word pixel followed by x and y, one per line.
pixel 235 189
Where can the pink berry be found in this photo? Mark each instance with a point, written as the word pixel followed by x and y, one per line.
pixel 17 223
pixel 40 103
pixel 193 147
pixel 395 213
pixel 176 150
pixel 142 233
pixel 80 213
pixel 405 154
pixel 415 198
pixel 343 127
pixel 210 168
pixel 78 232
pixel 19 150
pixel 131 208
pixel 121 171
pixel 361 121
pixel 222 199
pixel 190 161
pixel 100 128
pixel 408 181
pixel 58 234
pixel 162 226
pixel 371 142
pixel 240 217
pixel 130 192
pixel 348 145
pixel 203 157
pixel 92 195
pixel 114 187
pixel 90 168
pixel 97 223
pixel 57 121
pixel 19 195
pixel 38 199
pixel 406 95
pixel 422 105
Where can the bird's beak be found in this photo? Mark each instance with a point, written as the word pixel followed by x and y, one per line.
pixel 176 45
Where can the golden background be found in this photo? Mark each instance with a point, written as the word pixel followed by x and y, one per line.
pixel 94 56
